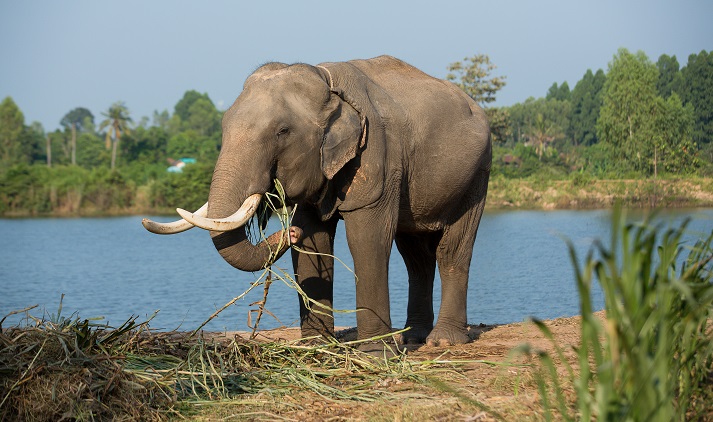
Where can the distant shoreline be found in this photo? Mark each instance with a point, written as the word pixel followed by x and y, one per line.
pixel 511 194
pixel 599 194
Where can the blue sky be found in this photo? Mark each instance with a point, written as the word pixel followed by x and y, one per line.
pixel 58 55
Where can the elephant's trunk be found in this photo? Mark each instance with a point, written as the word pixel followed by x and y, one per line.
pixel 227 196
pixel 239 252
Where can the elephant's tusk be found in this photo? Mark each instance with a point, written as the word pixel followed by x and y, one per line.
pixel 175 226
pixel 238 219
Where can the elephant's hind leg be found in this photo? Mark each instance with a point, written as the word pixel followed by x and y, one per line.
pixel 454 255
pixel 419 254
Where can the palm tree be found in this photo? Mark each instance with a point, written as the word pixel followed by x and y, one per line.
pixel 117 120
pixel 542 133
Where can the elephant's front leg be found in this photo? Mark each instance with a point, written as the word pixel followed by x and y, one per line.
pixel 370 235
pixel 315 273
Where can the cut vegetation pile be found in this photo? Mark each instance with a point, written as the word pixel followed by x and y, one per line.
pixel 69 368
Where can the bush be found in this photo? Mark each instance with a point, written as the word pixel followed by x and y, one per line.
pixel 651 359
pixel 109 190
pixel 38 190
pixel 23 189
pixel 188 189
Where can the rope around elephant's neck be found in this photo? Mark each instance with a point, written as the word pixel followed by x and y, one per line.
pixel 329 74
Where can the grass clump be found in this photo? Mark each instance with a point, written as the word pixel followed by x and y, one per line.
pixel 651 359
pixel 68 368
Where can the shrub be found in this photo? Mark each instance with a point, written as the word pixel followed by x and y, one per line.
pixel 652 358
pixel 188 189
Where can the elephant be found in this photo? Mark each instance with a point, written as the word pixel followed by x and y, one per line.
pixel 398 155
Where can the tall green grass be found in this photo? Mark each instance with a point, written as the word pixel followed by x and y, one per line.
pixel 651 358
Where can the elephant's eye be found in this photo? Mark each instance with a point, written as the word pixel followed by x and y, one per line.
pixel 282 131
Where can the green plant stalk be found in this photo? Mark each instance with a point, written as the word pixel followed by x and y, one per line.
pixel 652 355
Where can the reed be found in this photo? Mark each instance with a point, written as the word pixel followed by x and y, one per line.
pixel 651 359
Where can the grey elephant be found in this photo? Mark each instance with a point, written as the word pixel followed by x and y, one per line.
pixel 397 154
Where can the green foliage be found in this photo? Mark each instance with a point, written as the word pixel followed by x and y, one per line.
pixel 539 121
pixel 705 155
pixel 161 119
pixel 109 189
pixel 561 92
pixel 203 117
pixel 697 90
pixel 650 359
pixel 673 143
pixel 498 119
pixel 196 112
pixel 91 186
pixel 22 189
pixel 181 109
pixel 189 188
pixel 600 160
pixel 473 76
pixel 60 148
pixel 586 101
pixel 91 152
pixel 117 122
pixel 33 137
pixel 146 146
pixel 13 148
pixel 80 117
pixel 650 132
pixel 191 144
pixel 63 189
pixel 523 162
pixel 628 102
pixel 670 77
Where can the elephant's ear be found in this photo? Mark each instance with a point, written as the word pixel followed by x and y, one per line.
pixel 344 135
pixel 363 179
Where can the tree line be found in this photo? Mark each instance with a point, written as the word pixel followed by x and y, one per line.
pixel 638 119
pixel 112 164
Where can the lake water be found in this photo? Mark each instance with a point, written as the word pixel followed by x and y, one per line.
pixel 112 267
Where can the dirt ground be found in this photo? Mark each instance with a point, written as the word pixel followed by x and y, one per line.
pixel 483 380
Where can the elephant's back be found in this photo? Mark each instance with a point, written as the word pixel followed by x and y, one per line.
pixel 431 105
pixel 444 138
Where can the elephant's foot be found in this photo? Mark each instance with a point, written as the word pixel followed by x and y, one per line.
pixel 447 336
pixel 416 334
pixel 382 349
pixel 321 329
pixel 316 334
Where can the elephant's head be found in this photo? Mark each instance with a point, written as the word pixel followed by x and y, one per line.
pixel 287 124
